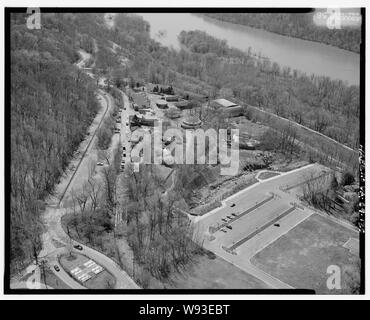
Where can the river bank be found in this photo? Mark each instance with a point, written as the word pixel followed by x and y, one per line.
pixel 306 56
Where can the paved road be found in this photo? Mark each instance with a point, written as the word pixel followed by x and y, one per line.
pixel 53 217
pixel 256 219
pixel 55 240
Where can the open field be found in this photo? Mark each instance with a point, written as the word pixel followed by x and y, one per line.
pixel 214 274
pixel 53 281
pixel 301 257
pixel 140 99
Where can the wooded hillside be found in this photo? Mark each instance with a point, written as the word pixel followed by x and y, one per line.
pixel 297 25
pixel 52 105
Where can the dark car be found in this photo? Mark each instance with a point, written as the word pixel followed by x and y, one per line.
pixel 56 268
pixel 276 224
pixel 233 205
pixel 78 247
pixel 229 227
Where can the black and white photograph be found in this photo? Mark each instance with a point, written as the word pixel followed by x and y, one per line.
pixel 184 150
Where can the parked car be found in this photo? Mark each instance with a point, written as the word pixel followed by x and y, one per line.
pixel 100 163
pixel 78 247
pixel 233 205
pixel 229 227
pixel 56 268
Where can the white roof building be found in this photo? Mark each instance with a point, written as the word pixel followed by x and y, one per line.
pixel 225 103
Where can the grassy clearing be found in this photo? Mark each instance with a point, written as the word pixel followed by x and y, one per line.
pixel 53 281
pixel 301 257
pixel 206 273
pixel 103 280
pixel 25 277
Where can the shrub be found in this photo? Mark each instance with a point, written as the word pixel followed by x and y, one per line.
pixel 347 178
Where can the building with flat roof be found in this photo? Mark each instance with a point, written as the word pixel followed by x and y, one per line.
pixel 182 104
pixel 162 104
pixel 224 103
pixel 171 98
pixel 231 109
pixel 141 120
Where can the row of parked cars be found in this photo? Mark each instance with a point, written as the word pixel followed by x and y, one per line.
pixel 123 158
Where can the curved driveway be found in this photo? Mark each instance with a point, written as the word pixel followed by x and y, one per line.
pixel 55 239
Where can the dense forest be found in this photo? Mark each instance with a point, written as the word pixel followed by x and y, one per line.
pixel 298 25
pixel 52 104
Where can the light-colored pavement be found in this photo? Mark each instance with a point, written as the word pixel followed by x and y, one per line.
pixel 257 219
pixel 244 198
pixel 251 222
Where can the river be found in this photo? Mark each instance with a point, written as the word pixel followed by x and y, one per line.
pixel 307 56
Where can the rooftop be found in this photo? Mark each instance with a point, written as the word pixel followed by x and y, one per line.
pixel 225 103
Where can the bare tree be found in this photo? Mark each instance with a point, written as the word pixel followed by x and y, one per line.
pixel 94 190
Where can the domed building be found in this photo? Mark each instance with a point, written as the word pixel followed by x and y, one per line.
pixel 191 122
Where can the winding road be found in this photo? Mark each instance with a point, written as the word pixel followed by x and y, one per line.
pixel 55 240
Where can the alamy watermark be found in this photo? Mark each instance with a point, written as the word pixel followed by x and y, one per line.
pixel 334 280
pixel 189 147
pixel 34 20
pixel 336 18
